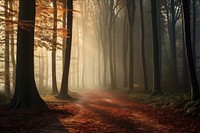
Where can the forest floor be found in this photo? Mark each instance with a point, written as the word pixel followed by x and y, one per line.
pixel 97 111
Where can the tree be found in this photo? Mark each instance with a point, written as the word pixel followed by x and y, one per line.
pixel 156 75
pixel 131 17
pixel 64 27
pixel 26 94
pixel 7 57
pixel 194 30
pixel 125 49
pixel 64 83
pixel 142 45
pixel 54 82
pixel 12 44
pixel 188 45
pixel 172 13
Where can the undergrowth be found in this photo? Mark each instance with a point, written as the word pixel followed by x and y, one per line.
pixel 176 102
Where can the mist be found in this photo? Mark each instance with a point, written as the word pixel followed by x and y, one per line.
pixel 97 66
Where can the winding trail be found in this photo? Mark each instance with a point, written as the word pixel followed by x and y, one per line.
pixel 101 111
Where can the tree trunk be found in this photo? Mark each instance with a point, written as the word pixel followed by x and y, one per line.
pixel 131 16
pixel 142 46
pixel 156 75
pixel 111 24
pixel 41 69
pixel 194 31
pixel 78 55
pixel 185 81
pixel 26 94
pixel 7 58
pixel 99 65
pixel 64 85
pixel 13 48
pixel 111 59
pixel 173 46
pixel 54 81
pixel 47 70
pixel 114 55
pixel 159 13
pixel 192 72
pixel 64 27
pixel 125 49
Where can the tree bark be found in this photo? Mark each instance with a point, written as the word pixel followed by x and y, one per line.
pixel 64 85
pixel 47 69
pixel 54 81
pixel 125 49
pixel 26 94
pixel 194 31
pixel 173 45
pixel 7 53
pixel 142 46
pixel 13 48
pixel 156 75
pixel 131 16
pixel 64 27
pixel 188 45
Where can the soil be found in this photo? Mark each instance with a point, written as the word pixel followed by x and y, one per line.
pixel 97 111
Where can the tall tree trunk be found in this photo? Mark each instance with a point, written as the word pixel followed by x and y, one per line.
pixel 142 46
pixel 99 65
pixel 159 13
pixel 111 59
pixel 194 31
pixel 111 24
pixel 173 45
pixel 64 27
pixel 26 94
pixel 114 55
pixel 64 85
pixel 125 49
pixel 104 66
pixel 131 16
pixel 185 81
pixel 83 67
pixel 13 47
pixel 41 69
pixel 192 72
pixel 7 53
pixel 156 75
pixel 78 55
pixel 54 81
pixel 47 69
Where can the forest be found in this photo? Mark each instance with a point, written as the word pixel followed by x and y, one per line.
pixel 99 66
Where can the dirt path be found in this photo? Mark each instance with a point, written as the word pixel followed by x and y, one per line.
pixel 98 111
pixel 101 111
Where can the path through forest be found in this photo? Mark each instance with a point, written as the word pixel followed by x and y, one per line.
pixel 101 111
pixel 98 111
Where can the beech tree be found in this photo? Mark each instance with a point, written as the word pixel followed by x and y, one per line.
pixel 156 75
pixel 192 72
pixel 7 46
pixel 131 17
pixel 54 81
pixel 26 94
pixel 142 45
pixel 64 84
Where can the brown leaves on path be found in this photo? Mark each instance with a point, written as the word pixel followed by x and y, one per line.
pixel 97 111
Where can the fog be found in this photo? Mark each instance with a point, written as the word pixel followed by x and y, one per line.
pixel 101 52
